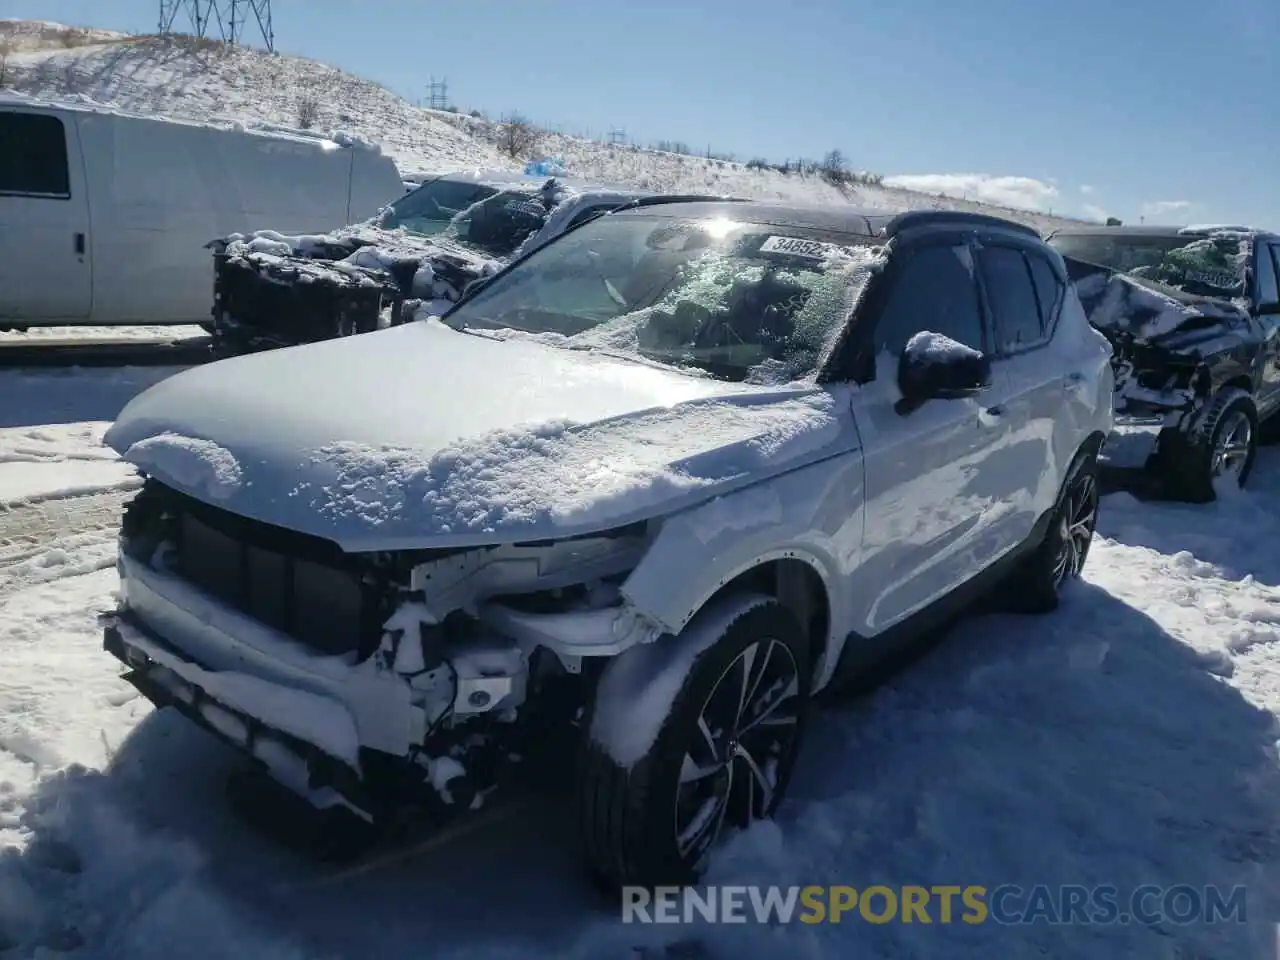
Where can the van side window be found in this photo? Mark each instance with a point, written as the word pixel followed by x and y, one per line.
pixel 33 155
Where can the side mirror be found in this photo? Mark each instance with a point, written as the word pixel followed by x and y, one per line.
pixel 935 367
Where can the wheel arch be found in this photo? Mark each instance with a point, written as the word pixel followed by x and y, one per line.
pixel 797 578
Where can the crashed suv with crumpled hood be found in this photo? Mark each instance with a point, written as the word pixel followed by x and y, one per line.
pixel 637 498
pixel 421 252
pixel 1194 316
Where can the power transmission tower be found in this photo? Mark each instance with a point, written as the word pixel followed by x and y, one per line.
pixel 617 136
pixel 227 17
pixel 438 94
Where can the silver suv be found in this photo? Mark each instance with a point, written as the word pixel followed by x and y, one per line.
pixel 642 495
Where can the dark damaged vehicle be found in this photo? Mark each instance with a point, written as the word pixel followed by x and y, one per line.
pixel 1193 315
pixel 421 251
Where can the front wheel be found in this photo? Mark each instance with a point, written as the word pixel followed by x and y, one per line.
pixel 689 735
pixel 1215 456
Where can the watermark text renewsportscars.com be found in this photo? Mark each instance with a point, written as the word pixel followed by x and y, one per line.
pixel 1069 904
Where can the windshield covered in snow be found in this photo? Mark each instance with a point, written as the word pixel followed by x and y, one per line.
pixel 739 301
pixel 484 218
pixel 1210 266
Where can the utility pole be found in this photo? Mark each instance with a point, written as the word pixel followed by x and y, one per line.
pixel 438 93
pixel 228 16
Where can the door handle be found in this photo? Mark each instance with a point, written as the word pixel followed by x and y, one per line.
pixel 80 244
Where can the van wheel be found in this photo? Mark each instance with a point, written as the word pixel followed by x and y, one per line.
pixel 1062 553
pixel 1218 455
pixel 690 734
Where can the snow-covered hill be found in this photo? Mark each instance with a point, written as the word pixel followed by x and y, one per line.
pixel 682 173
pixel 206 80
pixel 17 36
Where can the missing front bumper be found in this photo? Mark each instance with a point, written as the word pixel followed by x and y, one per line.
pixel 320 779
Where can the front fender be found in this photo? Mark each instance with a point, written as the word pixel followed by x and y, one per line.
pixel 813 515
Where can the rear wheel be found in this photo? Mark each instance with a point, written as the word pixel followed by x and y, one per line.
pixel 724 748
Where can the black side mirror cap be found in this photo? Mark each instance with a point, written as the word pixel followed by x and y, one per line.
pixel 935 367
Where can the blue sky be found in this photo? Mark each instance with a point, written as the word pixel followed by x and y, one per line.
pixel 1168 109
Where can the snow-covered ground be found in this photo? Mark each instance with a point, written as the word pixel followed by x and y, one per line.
pixel 1129 738
pixel 163 332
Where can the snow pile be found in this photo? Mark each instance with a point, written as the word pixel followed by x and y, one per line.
pixel 568 475
pixel 188 461
pixel 60 460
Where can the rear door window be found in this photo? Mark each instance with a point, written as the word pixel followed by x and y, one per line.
pixel 1048 289
pixel 33 155
pixel 1015 305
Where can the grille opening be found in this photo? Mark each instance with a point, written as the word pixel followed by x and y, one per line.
pixel 323 602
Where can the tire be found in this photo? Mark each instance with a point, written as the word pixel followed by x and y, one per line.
pixel 1061 555
pixel 1196 465
pixel 631 815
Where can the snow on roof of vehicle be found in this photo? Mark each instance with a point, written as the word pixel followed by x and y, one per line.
pixel 335 139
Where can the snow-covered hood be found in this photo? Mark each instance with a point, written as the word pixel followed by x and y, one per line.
pixel 1125 307
pixel 422 436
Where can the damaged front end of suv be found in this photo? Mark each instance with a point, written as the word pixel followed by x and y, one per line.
pixel 421 253
pixel 374 680
pixel 1180 328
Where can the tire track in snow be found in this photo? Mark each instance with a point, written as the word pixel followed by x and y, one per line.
pixel 74 535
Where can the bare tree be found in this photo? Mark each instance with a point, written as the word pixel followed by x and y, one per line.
pixel 4 63
pixel 834 167
pixel 517 136
pixel 308 110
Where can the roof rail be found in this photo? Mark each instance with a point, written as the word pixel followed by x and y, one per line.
pixel 661 198
pixel 959 218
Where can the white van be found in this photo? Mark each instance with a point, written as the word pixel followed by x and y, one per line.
pixel 105 217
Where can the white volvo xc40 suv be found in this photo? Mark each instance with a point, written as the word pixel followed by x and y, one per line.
pixel 641 495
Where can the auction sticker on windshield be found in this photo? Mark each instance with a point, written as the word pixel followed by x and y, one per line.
pixel 796 247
